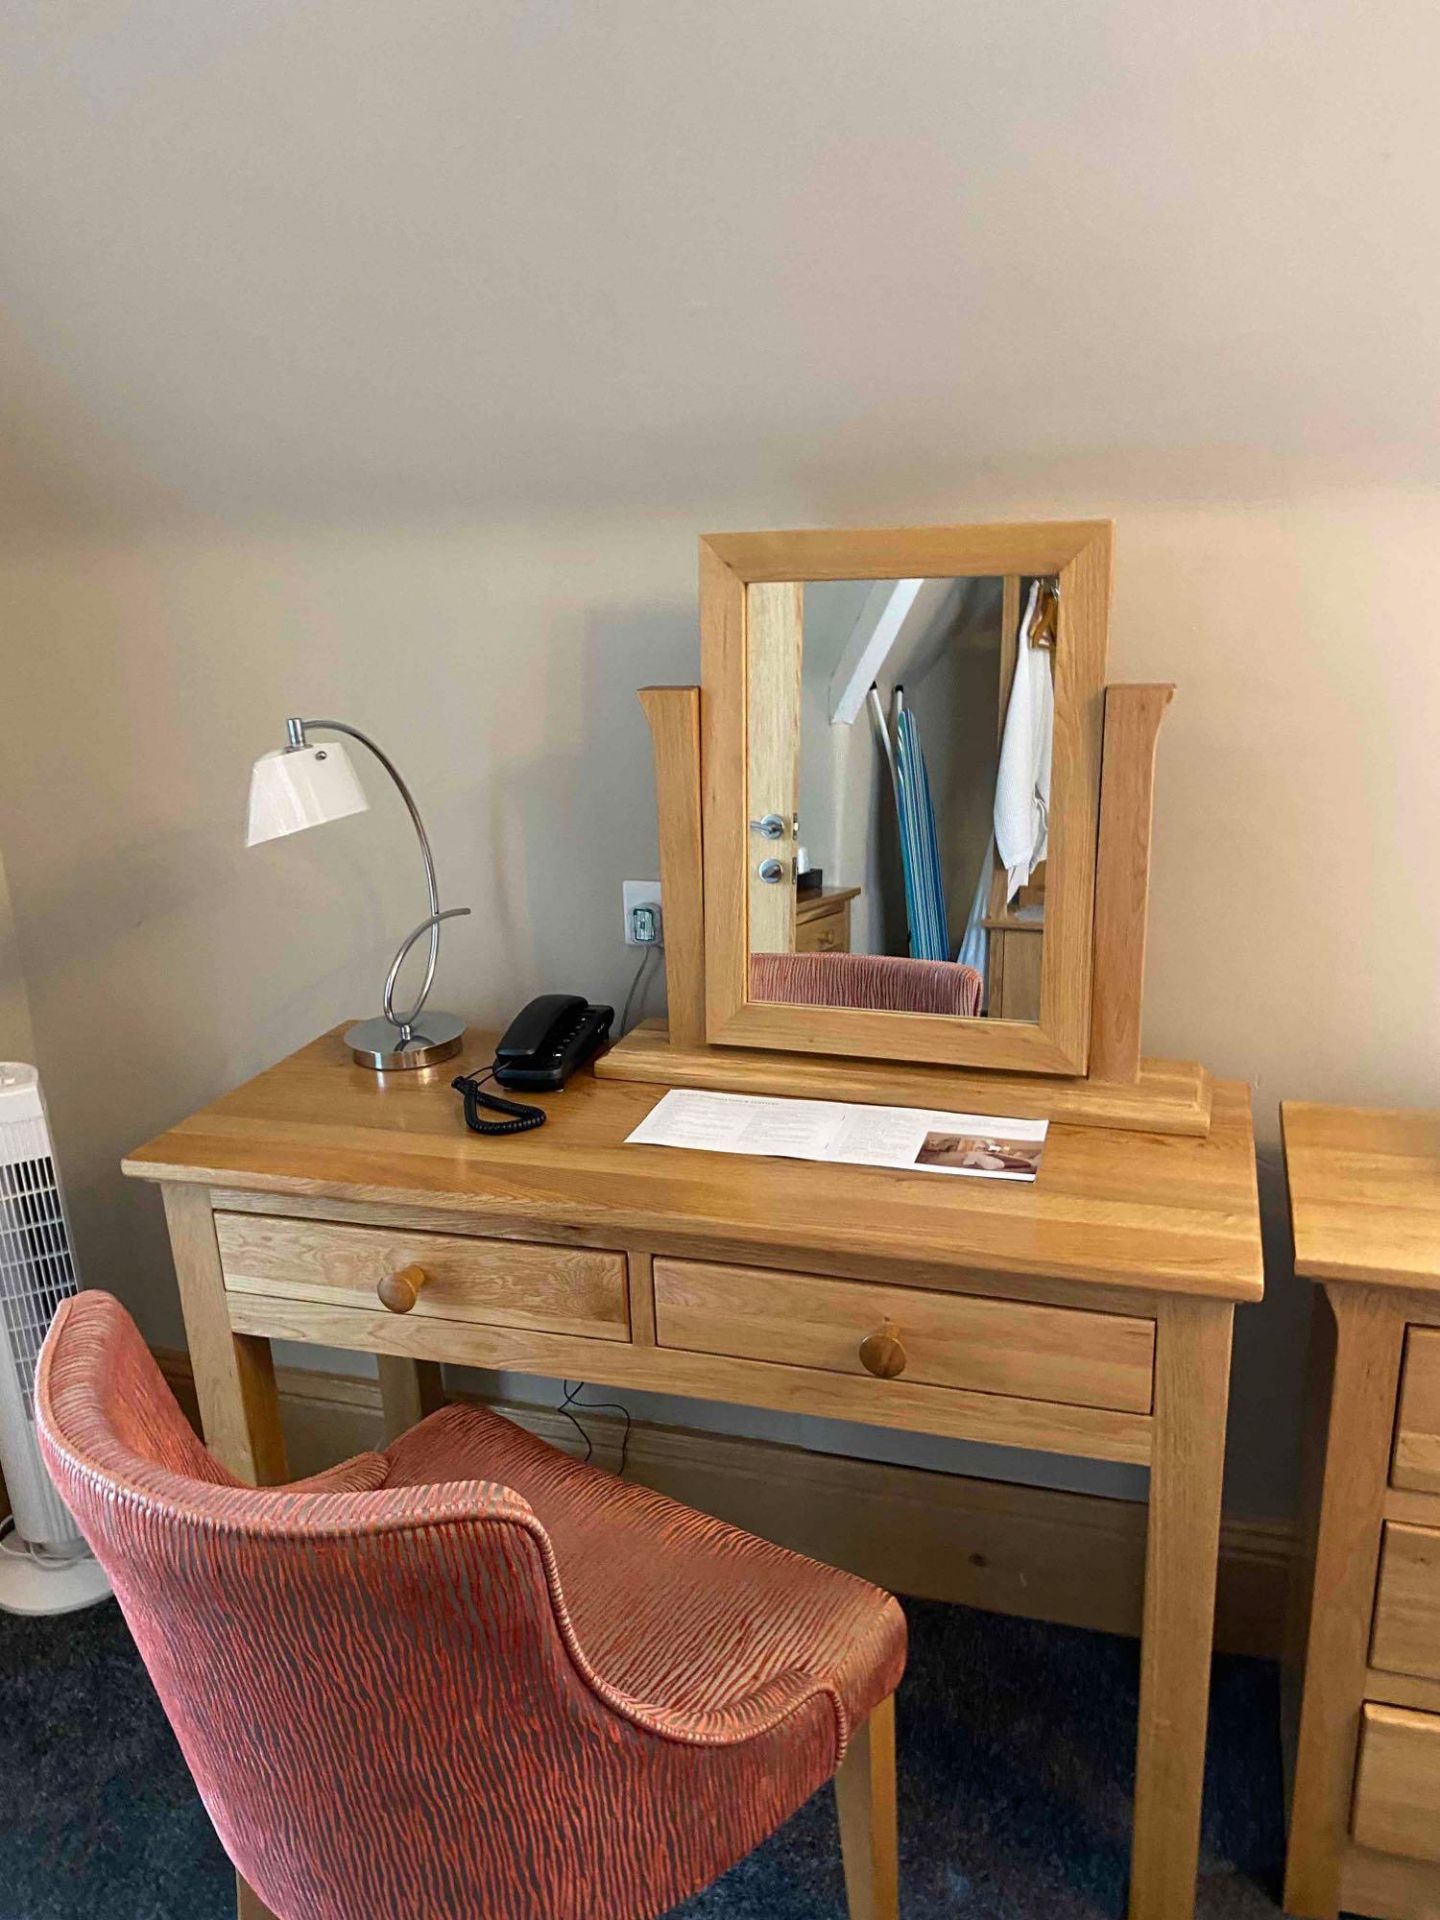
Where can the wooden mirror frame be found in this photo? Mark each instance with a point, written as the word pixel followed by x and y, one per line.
pixel 1118 735
pixel 1077 553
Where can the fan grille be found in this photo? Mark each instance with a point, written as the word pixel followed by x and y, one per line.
pixel 36 1268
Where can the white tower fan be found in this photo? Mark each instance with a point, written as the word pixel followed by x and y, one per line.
pixel 45 1566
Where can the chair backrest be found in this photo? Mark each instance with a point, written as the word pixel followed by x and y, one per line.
pixel 889 981
pixel 377 1690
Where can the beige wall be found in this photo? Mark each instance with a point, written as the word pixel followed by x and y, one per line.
pixel 1294 938
pixel 17 1036
pixel 387 361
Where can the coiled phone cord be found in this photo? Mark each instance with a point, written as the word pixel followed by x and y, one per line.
pixel 522 1118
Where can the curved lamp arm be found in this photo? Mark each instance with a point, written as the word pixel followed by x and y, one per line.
pixel 296 732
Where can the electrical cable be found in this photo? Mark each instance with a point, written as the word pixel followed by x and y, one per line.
pixel 645 960
pixel 565 1406
pixel 595 1406
pixel 52 1559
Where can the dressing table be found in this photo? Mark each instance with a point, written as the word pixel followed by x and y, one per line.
pixel 1087 1313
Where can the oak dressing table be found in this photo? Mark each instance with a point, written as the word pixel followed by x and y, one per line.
pixel 1086 1314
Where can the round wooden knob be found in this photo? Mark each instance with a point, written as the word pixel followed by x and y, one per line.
pixel 883 1353
pixel 399 1291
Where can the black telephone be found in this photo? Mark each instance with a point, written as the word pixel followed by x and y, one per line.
pixel 542 1047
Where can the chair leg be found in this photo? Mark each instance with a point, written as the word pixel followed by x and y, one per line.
pixel 248 1904
pixel 865 1801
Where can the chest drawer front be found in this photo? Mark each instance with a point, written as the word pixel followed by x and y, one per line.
pixel 1417 1430
pixel 1397 1784
pixel 503 1283
pixel 1407 1603
pixel 1010 1347
pixel 823 933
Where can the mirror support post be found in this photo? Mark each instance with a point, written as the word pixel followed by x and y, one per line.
pixel 674 717
pixel 1122 879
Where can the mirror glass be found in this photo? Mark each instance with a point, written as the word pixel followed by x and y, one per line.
pixel 898 785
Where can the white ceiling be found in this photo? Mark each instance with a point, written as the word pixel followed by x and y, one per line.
pixel 265 259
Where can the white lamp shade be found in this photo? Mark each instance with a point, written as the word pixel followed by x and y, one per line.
pixel 299 788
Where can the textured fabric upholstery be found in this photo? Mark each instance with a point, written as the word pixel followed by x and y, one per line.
pixel 890 982
pixel 467 1677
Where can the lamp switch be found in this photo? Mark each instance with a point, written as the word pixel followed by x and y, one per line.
pixel 644 926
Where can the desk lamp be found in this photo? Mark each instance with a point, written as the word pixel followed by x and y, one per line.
pixel 304 784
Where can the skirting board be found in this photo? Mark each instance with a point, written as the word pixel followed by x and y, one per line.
pixel 1171 1096
pixel 1073 1558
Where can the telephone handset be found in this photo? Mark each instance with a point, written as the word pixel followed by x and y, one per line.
pixel 541 1048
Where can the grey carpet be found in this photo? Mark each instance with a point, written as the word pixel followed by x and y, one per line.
pixel 1015 1775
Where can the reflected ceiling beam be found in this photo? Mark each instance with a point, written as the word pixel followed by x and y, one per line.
pixel 902 627
pixel 881 622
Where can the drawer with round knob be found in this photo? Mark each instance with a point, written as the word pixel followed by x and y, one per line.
pixel 1067 1355
pixel 502 1283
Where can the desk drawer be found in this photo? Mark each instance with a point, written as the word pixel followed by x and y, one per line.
pixel 1397 1784
pixel 1407 1603
pixel 1417 1430
pixel 1061 1354
pixel 503 1283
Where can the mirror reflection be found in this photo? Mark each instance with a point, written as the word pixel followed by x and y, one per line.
pixel 899 745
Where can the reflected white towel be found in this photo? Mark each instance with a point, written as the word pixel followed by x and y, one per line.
pixel 1022 786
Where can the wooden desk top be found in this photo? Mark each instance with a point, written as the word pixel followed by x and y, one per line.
pixel 1156 1212
pixel 1364 1193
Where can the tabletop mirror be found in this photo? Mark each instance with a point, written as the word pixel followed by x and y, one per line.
pixel 902 736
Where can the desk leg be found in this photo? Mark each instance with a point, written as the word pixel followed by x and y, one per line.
pixel 1192 1387
pixel 234 1374
pixel 409 1389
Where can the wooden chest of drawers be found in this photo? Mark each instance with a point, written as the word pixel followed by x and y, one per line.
pixel 1365 1809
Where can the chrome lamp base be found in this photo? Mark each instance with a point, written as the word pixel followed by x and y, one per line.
pixel 378 1043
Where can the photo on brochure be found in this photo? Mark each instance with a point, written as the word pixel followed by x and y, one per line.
pixel 999 1155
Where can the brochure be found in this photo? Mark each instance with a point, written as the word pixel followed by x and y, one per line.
pixel 973 1144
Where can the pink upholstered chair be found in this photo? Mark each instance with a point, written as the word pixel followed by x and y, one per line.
pixel 469 1676
pixel 892 982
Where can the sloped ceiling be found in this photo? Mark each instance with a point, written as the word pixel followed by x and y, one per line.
pixel 267 259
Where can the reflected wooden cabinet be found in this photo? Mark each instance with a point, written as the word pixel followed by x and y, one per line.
pixel 1015 950
pixel 1013 969
pixel 822 920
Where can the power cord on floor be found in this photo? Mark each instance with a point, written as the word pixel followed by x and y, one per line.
pixel 571 1399
pixel 16 1547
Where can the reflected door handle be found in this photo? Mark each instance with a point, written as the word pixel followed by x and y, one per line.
pixel 772 872
pixel 771 825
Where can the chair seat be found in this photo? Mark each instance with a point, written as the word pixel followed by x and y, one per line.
pixel 673 1609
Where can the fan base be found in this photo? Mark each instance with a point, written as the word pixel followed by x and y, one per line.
pixel 29 1586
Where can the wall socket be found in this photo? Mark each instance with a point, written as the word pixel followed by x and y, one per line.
pixel 641 893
